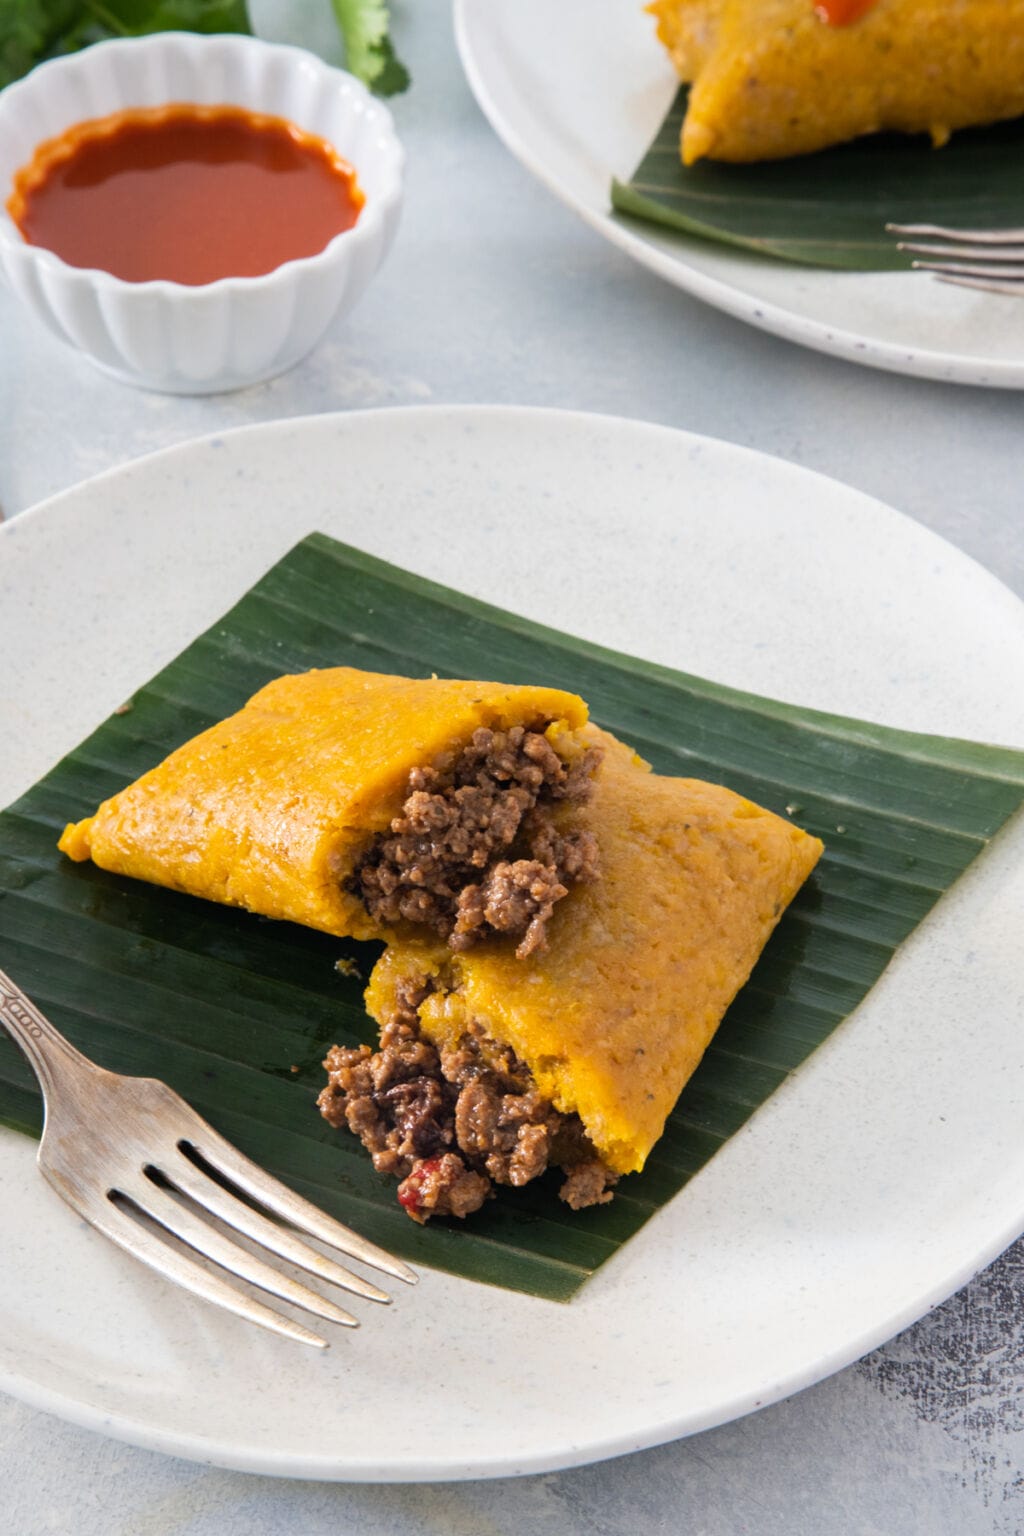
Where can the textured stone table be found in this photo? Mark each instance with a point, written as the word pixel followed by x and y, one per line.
pixel 496 293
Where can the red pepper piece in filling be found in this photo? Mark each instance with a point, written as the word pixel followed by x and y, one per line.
pixel 839 13
pixel 409 1189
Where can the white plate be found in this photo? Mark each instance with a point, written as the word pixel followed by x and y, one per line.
pixel 577 90
pixel 871 1186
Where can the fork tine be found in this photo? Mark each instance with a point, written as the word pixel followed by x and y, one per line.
pixel 180 1222
pixel 972 269
pixel 95 1119
pixel 980 284
pixel 943 232
pixel 234 1213
pixel 979 253
pixel 153 1251
pixel 227 1160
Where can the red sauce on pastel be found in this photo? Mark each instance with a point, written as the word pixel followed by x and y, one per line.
pixel 839 13
pixel 186 193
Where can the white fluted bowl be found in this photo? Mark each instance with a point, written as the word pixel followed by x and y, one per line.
pixel 222 335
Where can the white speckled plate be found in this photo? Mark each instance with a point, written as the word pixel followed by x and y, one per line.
pixel 871 1186
pixel 577 90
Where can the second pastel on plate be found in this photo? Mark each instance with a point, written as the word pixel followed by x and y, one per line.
pixel 783 77
pixel 575 1056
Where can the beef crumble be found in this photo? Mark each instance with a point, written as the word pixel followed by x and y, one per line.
pixel 473 852
pixel 449 1122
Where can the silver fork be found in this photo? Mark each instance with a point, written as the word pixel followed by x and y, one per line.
pixel 991 260
pixel 131 1157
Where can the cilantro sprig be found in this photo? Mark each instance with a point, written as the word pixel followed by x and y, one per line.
pixel 34 30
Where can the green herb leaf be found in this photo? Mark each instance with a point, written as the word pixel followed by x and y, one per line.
pixel 29 30
pixel 830 209
pixel 34 30
pixel 133 18
pixel 236 1013
pixel 368 51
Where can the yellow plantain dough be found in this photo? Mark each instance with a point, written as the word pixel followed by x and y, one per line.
pixel 271 808
pixel 771 78
pixel 641 965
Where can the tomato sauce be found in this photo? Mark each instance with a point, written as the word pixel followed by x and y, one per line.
pixel 186 193
pixel 839 13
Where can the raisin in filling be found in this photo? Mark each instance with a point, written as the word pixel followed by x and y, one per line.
pixel 473 851
pixel 450 1122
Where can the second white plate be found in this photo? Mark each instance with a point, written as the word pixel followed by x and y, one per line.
pixel 873 1184
pixel 577 90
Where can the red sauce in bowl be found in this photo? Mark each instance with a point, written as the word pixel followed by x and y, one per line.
pixel 839 13
pixel 185 193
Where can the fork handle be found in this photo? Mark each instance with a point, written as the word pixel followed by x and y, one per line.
pixel 43 1044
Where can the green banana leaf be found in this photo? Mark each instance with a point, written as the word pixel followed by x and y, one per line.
pixel 830 209
pixel 237 1012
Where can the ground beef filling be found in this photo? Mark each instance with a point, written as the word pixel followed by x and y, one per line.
pixel 473 851
pixel 449 1123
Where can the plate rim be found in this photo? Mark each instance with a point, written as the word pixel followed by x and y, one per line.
pixel 286 1464
pixel 513 409
pixel 764 314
